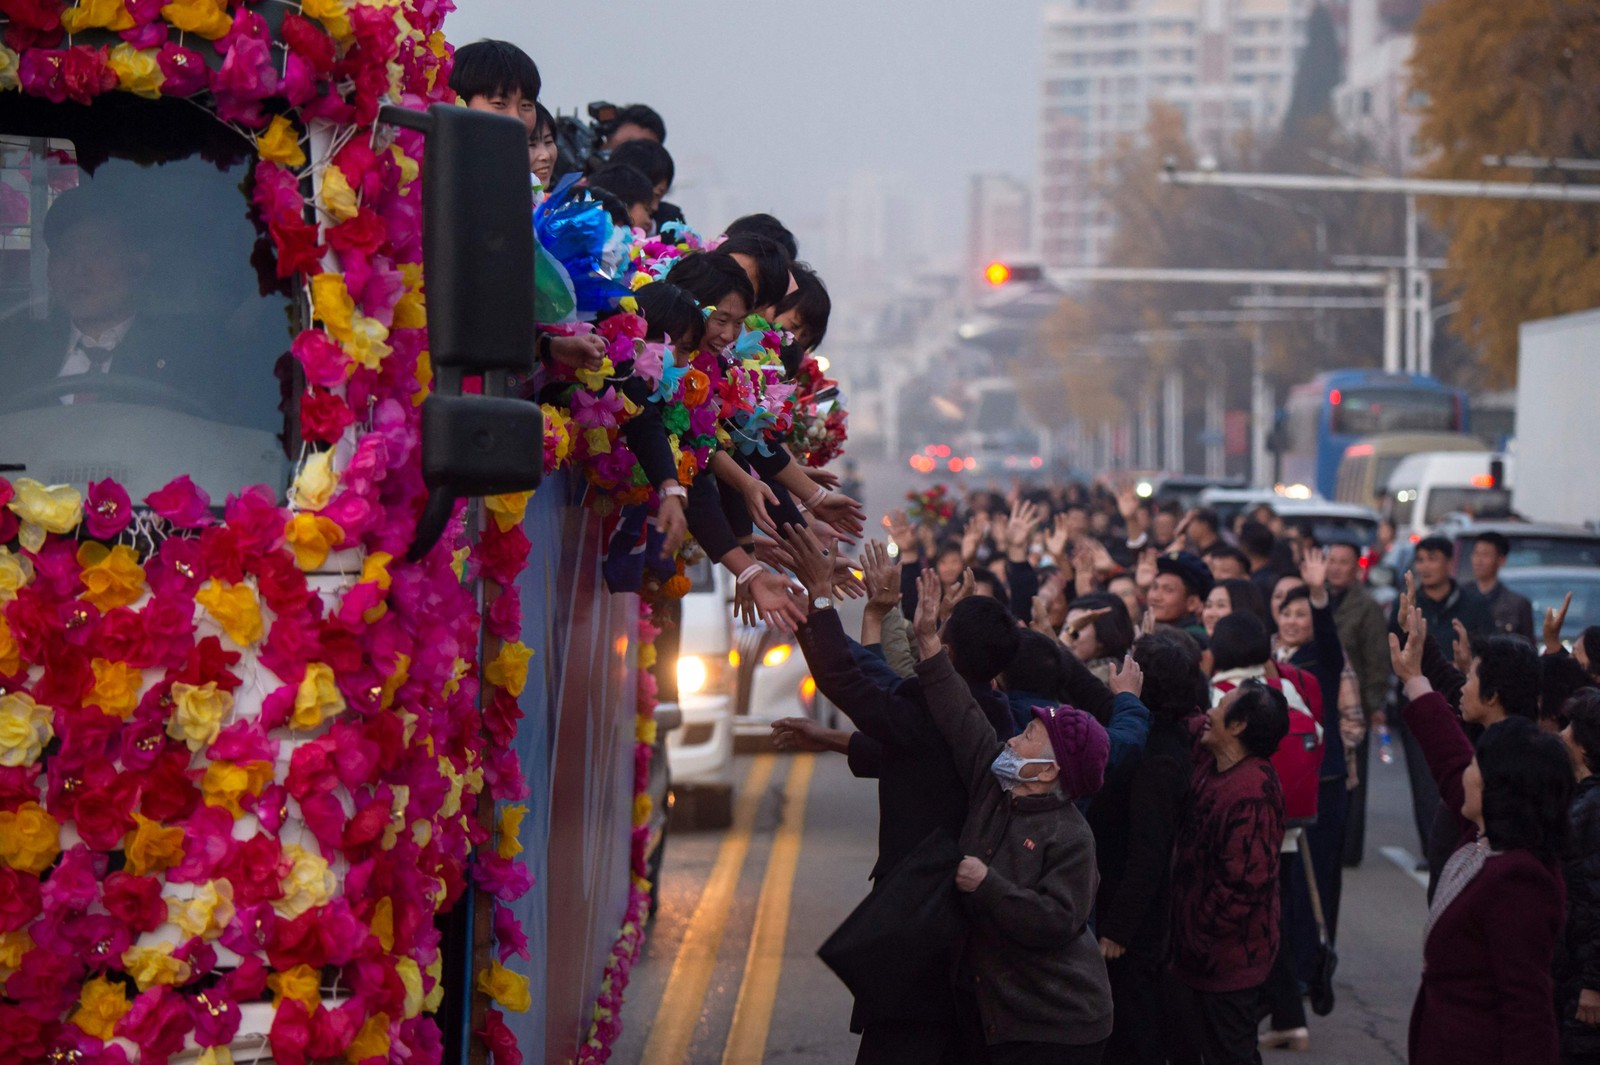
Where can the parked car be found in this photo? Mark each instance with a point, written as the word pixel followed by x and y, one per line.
pixel 1533 545
pixel 1324 522
pixel 1183 490
pixel 1547 586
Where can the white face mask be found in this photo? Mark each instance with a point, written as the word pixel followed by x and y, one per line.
pixel 1007 767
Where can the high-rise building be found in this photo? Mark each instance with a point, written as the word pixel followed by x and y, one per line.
pixel 1374 100
pixel 999 221
pixel 1226 65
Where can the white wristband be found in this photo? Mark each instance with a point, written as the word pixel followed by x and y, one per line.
pixel 675 491
pixel 811 504
pixel 750 573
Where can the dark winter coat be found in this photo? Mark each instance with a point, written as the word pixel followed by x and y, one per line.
pixel 1578 961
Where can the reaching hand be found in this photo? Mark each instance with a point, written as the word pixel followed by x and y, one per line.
pixel 1111 951
pixel 1129 679
pixel 673 523
pixel 744 605
pixel 961 589
pixel 925 626
pixel 900 531
pixel 1553 621
pixel 813 559
pixel 587 352
pixel 846 581
pixel 971 537
pixel 803 734
pixel 824 478
pixel 1407 661
pixel 843 513
pixel 1025 517
pixel 1144 575
pixel 757 497
pixel 1057 539
pixel 882 577
pixel 1314 569
pixel 771 553
pixel 1041 617
pixel 1461 648
pixel 776 602
pixel 1147 623
pixel 1408 599
pixel 970 873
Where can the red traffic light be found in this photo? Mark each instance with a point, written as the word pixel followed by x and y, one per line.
pixel 997 274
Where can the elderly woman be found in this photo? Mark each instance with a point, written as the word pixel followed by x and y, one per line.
pixel 1490 941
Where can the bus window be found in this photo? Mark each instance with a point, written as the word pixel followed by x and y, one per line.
pixel 1363 411
pixel 135 338
pixel 1482 503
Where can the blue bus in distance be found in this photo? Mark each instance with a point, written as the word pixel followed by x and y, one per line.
pixel 1335 409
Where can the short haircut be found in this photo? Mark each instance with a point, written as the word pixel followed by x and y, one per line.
pixel 669 311
pixel 1355 548
pixel 645 117
pixel 1174 687
pixel 983 638
pixel 710 278
pixel 1114 630
pixel 1582 711
pixel 1207 517
pixel 1245 598
pixel 810 300
pixel 1036 667
pixel 1256 540
pixel 1590 639
pixel 1295 594
pixel 627 183
pixel 1228 551
pixel 1265 712
pixel 767 226
pixel 990 583
pixel 493 68
pixel 772 265
pixel 647 156
pixel 1439 545
pixel 1508 668
pixel 948 547
pixel 1238 641
pixel 1527 787
pixel 1560 677
pixel 1498 541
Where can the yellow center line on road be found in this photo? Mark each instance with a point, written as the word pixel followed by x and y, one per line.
pixel 752 1014
pixel 679 1012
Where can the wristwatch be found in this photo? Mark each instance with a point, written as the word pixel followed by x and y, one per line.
pixel 821 602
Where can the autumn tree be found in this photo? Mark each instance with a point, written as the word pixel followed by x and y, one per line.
pixel 1504 78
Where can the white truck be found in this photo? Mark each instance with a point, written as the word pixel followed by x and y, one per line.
pixel 1556 449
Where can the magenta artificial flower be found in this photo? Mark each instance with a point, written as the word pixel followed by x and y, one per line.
pixel 591 411
pixel 108 510
pixel 256 520
pixel 510 939
pixel 323 360
pixel 182 502
pixel 20 900
pixel 183 69
pixel 291 1032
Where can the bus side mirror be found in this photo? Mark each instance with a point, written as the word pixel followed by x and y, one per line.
pixel 477 248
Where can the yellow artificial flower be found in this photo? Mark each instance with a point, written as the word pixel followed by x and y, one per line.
pixel 101 1004
pixel 509 670
pixel 154 965
pixel 54 509
pixel 97 14
pixel 409 310
pixel 137 70
pixel 508 989
pixel 10 653
pixel 308 883
pixel 332 305
pixel 116 687
pixel 30 839
pixel 509 845
pixel 214 1056
pixel 235 608
pixel 644 730
pixel 9 61
pixel 208 18
pixel 369 342
pixel 112 577
pixel 508 510
pixel 424 378
pixel 314 485
pixel 409 170
pixel 13 945
pixel 331 13
pixel 642 805
pixel 152 847
pixel 338 198
pixel 599 440
pixel 317 699
pixel 313 537
pixel 198 713
pixel 281 143
pixel 647 656
pixel 207 913
pixel 435 973
pixel 15 572
pixel 411 977
pixel 557 424
pixel 301 984
pixel 25 729
pixel 393 682
pixel 372 1041
pixel 382 923
pixel 225 783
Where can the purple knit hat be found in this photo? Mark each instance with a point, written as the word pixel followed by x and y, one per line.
pixel 1080 745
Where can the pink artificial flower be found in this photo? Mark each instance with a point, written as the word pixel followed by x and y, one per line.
pixel 182 502
pixel 109 509
pixel 510 939
pixel 184 70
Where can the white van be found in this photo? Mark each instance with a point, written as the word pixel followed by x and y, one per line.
pixel 1427 486
pixel 700 750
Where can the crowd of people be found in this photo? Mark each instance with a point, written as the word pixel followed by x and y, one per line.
pixel 1147 732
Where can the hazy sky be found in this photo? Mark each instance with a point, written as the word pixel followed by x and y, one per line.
pixel 778 103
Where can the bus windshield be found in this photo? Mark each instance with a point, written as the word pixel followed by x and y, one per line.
pixel 139 342
pixel 1361 412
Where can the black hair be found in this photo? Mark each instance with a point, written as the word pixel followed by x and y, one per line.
pixel 1228 551
pixel 1114 631
pixel 772 265
pixel 983 638
pixel 669 311
pixel 1245 598
pixel 948 547
pixel 1295 594
pixel 493 68
pixel 1501 545
pixel 1508 667
pixel 1239 640
pixel 810 300
pixel 1582 711
pixel 627 183
pixel 711 277
pixel 767 226
pixel 1527 786
pixel 543 119
pixel 1439 545
pixel 649 157
pixel 1036 666
pixel 1560 677
pixel 1339 542
pixel 645 117
pixel 1590 639
pixel 1256 540
pixel 1173 684
pixel 1265 712
pixel 85 202
pixel 1207 517
pixel 992 585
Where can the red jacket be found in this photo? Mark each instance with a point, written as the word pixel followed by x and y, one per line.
pixel 1486 996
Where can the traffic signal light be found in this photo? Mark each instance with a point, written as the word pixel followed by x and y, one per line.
pixel 997 274
pixel 1002 273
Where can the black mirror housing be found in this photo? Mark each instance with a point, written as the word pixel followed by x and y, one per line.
pixel 479 446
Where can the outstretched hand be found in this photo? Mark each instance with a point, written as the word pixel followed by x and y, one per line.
pixel 925 626
pixel 1554 620
pixel 882 577
pixel 1129 679
pixel 1407 660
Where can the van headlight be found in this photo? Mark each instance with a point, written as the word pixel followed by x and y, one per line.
pixel 777 656
pixel 693 675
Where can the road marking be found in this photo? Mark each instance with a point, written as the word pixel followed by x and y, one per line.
pixel 1408 864
pixel 679 1012
pixel 758 991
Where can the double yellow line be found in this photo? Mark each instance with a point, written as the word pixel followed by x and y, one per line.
pixel 678 1015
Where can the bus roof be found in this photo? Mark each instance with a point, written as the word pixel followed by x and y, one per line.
pixel 1371 378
